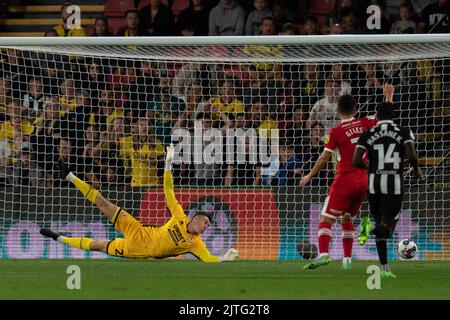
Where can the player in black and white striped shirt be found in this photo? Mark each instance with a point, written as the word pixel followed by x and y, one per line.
pixel 387 145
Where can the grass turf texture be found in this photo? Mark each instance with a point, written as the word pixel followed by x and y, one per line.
pixel 183 279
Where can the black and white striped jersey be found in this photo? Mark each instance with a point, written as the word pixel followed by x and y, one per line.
pixel 385 148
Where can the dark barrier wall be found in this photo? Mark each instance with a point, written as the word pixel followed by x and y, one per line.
pixel 260 223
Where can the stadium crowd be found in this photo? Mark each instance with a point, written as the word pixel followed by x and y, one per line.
pixel 110 119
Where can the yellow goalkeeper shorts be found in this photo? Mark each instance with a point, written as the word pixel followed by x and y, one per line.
pixel 136 243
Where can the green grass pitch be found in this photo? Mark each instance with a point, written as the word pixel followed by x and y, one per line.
pixel 185 279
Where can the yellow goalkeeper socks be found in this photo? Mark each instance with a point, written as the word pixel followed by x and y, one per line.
pixel 79 243
pixel 88 191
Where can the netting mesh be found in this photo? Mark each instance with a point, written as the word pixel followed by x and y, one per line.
pixel 110 111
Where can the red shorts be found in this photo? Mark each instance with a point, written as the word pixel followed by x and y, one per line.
pixel 346 195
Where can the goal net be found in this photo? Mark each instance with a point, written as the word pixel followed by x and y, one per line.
pixel 248 116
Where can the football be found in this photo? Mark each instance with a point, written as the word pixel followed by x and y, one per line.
pixel 307 250
pixel 407 249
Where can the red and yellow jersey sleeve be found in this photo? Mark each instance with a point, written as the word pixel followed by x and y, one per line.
pixel 331 140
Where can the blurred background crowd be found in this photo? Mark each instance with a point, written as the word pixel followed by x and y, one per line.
pixel 110 119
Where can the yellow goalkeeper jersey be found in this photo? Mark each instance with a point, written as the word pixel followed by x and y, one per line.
pixel 173 238
pixel 168 240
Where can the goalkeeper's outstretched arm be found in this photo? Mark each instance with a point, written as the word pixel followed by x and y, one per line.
pixel 204 255
pixel 168 179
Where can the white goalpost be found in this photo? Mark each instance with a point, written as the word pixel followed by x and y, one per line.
pixel 249 116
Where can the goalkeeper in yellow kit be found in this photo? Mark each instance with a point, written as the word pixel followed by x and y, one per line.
pixel 178 236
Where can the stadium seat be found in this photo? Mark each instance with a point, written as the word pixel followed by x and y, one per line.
pixel 116 24
pixel 321 7
pixel 117 8
pixel 144 3
pixel 178 6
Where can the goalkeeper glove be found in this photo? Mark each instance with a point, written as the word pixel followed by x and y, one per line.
pixel 231 255
pixel 417 173
pixel 170 152
pixel 169 157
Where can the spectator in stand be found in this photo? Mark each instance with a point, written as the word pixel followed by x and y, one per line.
pixel 157 19
pixel 43 138
pixel 226 101
pixel 101 28
pixel 335 16
pixel 260 118
pixel 92 155
pixel 349 21
pixel 310 27
pixel 339 74
pixel 106 112
pixel 113 142
pixel 141 90
pixel 405 24
pixel 369 88
pixel 50 79
pixel 246 170
pixel 25 172
pixel 289 29
pixel 296 130
pixel 268 27
pixel 254 19
pixel 336 29
pixel 145 152
pixel 13 68
pixel 281 14
pixel 206 173
pixel 92 79
pixel 288 165
pixel 34 98
pixel 71 124
pixel 5 162
pixel 64 30
pixel 227 19
pixel 5 95
pixel 164 109
pixel 16 128
pixel 312 152
pixel 132 28
pixel 67 92
pixel 435 18
pixel 311 84
pixel 193 21
pixel 324 111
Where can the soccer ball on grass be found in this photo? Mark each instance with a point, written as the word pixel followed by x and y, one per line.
pixel 407 249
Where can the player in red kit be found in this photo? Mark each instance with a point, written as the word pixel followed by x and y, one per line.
pixel 349 186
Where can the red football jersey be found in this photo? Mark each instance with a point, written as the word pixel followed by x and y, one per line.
pixel 343 138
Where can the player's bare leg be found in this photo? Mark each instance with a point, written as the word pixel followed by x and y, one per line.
pixel 324 243
pixel 383 230
pixel 348 233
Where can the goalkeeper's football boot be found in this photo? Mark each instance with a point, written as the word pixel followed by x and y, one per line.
pixel 388 275
pixel 49 233
pixel 364 230
pixel 318 262
pixel 347 263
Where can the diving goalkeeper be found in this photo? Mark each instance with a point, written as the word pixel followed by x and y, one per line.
pixel 178 236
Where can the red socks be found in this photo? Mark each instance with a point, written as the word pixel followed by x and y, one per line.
pixel 324 237
pixel 348 233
